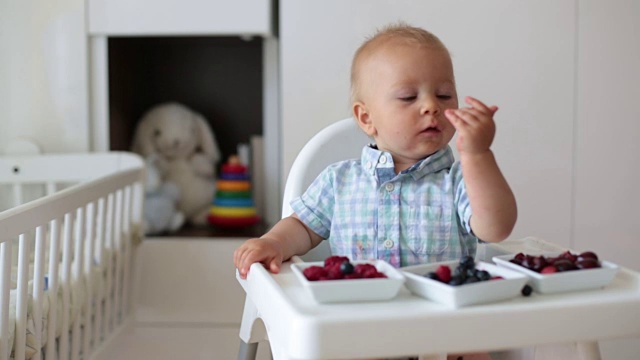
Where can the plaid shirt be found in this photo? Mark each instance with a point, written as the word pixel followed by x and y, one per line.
pixel 367 211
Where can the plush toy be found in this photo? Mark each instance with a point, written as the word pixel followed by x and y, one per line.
pixel 160 200
pixel 186 151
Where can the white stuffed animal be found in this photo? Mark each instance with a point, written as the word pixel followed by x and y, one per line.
pixel 160 201
pixel 187 153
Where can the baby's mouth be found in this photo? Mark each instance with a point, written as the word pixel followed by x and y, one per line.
pixel 430 130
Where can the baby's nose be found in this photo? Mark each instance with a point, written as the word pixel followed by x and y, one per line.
pixel 430 106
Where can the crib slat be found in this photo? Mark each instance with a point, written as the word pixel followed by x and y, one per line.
pixel 5 288
pixel 97 330
pixel 66 282
pixel 88 273
pixel 117 250
pixel 38 289
pixel 108 256
pixel 78 262
pixel 52 323
pixel 126 233
pixel 21 303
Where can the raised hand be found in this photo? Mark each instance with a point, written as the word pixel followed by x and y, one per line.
pixel 475 126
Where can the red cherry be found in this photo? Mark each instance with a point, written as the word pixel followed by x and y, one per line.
pixel 587 263
pixel 588 255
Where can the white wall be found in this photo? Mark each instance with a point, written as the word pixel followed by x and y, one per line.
pixel 607 191
pixel 43 74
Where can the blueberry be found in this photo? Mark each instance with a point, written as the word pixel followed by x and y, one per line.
pixel 471 280
pixel 456 280
pixel 467 262
pixel 432 275
pixel 346 268
pixel 483 275
pixel 460 272
pixel 526 290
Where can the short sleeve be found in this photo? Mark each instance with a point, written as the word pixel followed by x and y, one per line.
pixel 315 206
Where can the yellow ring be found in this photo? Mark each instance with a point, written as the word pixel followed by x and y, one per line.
pixel 232 211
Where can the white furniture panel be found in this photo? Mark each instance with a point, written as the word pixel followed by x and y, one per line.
pixel 179 17
pixel 607 146
pixel 43 74
pixel 519 56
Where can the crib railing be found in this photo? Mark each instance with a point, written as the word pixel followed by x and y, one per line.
pixel 85 232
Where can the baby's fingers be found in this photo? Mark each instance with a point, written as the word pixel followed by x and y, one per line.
pixel 479 105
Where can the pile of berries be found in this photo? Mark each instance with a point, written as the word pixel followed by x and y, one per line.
pixel 566 261
pixel 340 267
pixel 464 273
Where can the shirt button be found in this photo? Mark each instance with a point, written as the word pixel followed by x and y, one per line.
pixel 383 160
pixel 369 165
pixel 388 244
pixel 389 187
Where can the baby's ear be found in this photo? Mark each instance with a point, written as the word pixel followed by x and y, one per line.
pixel 361 114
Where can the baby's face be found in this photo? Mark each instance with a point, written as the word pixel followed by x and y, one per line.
pixel 405 90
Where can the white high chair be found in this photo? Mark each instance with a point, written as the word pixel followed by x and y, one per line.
pixel 340 141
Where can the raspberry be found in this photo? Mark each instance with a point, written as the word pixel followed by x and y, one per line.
pixel 334 273
pixel 314 273
pixel 335 259
pixel 444 273
pixel 364 268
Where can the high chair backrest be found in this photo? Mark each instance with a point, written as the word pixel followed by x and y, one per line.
pixel 341 140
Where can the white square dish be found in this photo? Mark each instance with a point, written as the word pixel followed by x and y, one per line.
pixel 352 290
pixel 508 287
pixel 572 280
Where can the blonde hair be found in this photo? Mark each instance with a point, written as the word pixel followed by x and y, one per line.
pixel 397 32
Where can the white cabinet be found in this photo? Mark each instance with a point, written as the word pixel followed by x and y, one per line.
pixel 519 56
pixel 179 17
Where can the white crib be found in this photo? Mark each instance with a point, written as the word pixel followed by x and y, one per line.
pixel 86 209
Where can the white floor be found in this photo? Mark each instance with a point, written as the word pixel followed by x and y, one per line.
pixel 170 343
pixel 188 303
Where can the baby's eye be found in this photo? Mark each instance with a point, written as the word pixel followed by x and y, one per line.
pixel 156 133
pixel 408 98
pixel 444 97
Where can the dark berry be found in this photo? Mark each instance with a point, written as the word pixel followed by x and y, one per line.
pixel 588 255
pixel 467 262
pixel 483 275
pixel 526 290
pixel 432 275
pixel 456 280
pixel 564 265
pixel 587 263
pixel 471 280
pixel 346 268
pixel 460 272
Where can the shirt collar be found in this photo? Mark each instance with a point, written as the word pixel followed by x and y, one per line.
pixel 373 159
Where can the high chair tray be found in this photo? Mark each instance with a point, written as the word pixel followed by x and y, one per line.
pixel 300 328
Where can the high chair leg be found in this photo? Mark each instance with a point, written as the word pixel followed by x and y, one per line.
pixel 247 351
